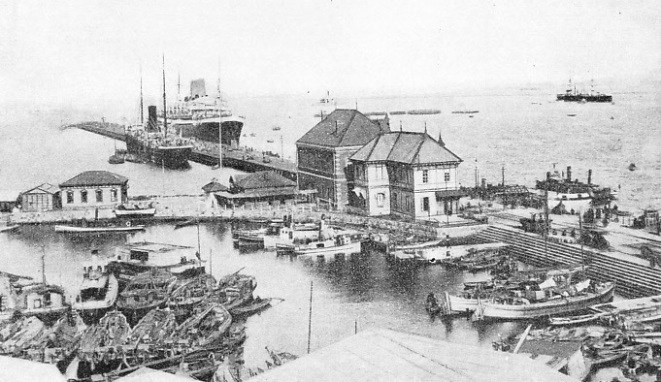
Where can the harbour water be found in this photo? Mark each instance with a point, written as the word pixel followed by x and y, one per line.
pixel 524 132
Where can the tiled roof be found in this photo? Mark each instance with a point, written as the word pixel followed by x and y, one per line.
pixel 261 179
pixel 343 128
pixel 95 178
pixel 405 147
pixel 214 187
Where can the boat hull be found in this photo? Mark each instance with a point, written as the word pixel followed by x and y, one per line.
pixel 208 131
pixel 544 309
pixel 72 229
pixel 167 156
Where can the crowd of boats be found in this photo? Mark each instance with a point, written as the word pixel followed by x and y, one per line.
pixel 151 305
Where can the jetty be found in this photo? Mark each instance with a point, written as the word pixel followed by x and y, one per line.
pixel 207 154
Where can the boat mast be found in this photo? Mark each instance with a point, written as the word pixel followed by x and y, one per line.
pixel 165 116
pixel 220 122
pixel 43 264
pixel 142 118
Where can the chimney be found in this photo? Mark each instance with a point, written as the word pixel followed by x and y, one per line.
pixel 152 121
pixel 548 175
pixel 484 182
pixel 568 173
pixel 590 176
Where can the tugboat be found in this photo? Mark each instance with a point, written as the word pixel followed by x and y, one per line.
pixel 572 95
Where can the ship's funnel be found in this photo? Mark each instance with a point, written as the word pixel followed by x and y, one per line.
pixel 197 88
pixel 152 121
pixel 568 173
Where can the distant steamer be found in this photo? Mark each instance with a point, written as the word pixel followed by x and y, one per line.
pixel 572 95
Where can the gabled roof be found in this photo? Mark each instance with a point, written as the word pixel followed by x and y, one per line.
pixel 341 128
pixel 384 355
pixel 405 147
pixel 261 179
pixel 95 178
pixel 214 186
pixel 45 188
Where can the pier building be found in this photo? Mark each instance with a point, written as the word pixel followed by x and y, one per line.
pixel 102 189
pixel 249 190
pixel 323 154
pixel 44 197
pixel 406 174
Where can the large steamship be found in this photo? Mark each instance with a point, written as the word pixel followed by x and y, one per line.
pixel 205 117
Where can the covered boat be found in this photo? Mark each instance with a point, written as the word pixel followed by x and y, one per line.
pixel 45 301
pixel 98 291
pixel 146 291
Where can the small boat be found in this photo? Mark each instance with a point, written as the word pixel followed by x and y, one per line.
pixel 98 291
pixel 146 291
pixel 207 326
pixel 185 223
pixel 7 228
pixel 20 334
pixel 270 141
pixel 128 227
pixel 329 243
pixel 186 293
pixel 112 330
pixel 256 305
pixel 276 128
pixel 465 111
pixel 423 111
pixel 632 167
pixel 65 333
pixel 154 328
pixel 575 320
pixel 116 159
pixel 571 115
pixel 135 210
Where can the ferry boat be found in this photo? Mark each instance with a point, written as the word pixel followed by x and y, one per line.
pixel 142 256
pixel 573 95
pixel 98 291
pixel 204 117
pixel 546 302
pixel 146 291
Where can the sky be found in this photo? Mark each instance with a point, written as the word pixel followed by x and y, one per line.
pixel 68 51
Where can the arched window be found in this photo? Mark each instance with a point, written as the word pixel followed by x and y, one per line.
pixel 83 196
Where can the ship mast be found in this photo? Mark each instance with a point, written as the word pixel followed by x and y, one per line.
pixel 165 116
pixel 220 123
pixel 142 118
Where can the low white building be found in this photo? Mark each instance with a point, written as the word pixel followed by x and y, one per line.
pixel 96 189
pixel 407 174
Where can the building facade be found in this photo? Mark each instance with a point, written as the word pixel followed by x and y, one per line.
pixel 253 190
pixel 323 154
pixel 97 189
pixel 45 197
pixel 406 174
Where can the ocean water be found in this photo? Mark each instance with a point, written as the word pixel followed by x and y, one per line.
pixel 526 132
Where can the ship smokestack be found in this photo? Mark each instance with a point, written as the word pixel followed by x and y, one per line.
pixel 152 122
pixel 590 176
pixel 568 173
pixel 198 88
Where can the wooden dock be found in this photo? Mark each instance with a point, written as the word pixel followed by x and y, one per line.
pixel 240 159
pixel 634 276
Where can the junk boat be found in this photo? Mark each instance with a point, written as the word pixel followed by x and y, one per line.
pixel 204 117
pixel 142 256
pixel 146 291
pixel 98 291
pixel 207 326
pixel 186 293
pixel 154 328
pixel 549 302
pixel 135 210
pixel 573 95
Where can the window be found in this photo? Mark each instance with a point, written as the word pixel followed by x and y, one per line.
pixel 69 197
pixel 99 196
pixel 447 176
pixel 83 196
pixel 113 195
pixel 379 199
pixel 425 176
pixel 408 204
pixel 425 204
pixel 394 200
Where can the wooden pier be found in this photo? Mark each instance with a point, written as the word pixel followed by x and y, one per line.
pixel 634 276
pixel 240 159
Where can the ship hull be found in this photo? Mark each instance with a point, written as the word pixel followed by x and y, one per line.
pixel 544 309
pixel 211 131
pixel 585 98
pixel 167 156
